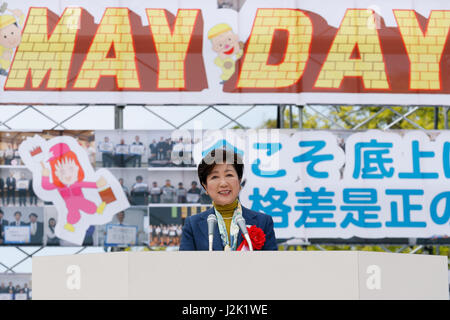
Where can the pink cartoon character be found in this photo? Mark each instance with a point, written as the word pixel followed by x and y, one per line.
pixel 68 179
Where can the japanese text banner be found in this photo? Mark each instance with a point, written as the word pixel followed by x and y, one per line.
pixel 234 52
pixel 318 184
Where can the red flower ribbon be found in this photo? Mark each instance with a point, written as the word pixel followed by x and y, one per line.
pixel 257 237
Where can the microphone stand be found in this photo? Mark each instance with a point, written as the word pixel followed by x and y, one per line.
pixel 212 221
pixel 210 238
pixel 241 223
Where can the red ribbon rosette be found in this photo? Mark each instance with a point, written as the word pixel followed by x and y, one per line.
pixel 257 237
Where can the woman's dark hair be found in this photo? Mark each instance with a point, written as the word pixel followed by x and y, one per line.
pixel 219 156
pixel 50 226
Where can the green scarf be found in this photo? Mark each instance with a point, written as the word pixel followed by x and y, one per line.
pixel 234 228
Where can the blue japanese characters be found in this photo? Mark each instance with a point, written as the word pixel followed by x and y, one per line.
pixel 371 184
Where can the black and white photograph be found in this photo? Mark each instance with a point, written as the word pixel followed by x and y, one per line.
pixel 50 238
pixel 121 149
pixel 176 186
pixel 134 184
pixel 15 286
pixel 171 149
pixel 16 188
pixel 11 140
pixel 126 229
pixel 22 226
pixel 142 149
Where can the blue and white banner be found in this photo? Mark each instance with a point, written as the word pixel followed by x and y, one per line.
pixel 322 184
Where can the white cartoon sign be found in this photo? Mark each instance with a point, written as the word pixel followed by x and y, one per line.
pixel 62 174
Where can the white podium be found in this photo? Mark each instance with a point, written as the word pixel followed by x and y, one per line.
pixel 283 275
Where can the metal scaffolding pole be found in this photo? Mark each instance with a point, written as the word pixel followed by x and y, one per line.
pixel 436 118
pixel 280 119
pixel 445 109
pixel 118 116
pixel 283 110
pixel 300 117
pixel 291 118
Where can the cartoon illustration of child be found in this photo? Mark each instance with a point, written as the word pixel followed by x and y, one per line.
pixel 64 176
pixel 10 36
pixel 68 179
pixel 228 47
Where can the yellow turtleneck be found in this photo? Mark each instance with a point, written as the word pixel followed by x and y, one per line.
pixel 227 212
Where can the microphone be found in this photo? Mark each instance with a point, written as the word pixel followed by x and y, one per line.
pixel 212 221
pixel 242 225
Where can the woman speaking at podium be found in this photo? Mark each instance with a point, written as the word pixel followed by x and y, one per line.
pixel 227 225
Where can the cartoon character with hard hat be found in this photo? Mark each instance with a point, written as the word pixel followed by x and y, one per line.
pixel 10 36
pixel 228 47
pixel 68 179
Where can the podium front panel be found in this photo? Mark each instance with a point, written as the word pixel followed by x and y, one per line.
pixel 82 276
pixel 283 275
pixel 243 275
pixel 402 276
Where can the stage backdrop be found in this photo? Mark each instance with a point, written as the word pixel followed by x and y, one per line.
pixel 196 51
pixel 315 184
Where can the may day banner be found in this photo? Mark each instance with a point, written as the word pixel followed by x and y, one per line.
pixel 321 184
pixel 198 51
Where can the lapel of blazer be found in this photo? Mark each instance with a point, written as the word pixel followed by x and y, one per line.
pixel 203 226
pixel 250 219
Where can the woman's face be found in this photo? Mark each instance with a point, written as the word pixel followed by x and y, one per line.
pixel 223 184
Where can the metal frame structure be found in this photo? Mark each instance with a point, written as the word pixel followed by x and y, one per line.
pixel 294 114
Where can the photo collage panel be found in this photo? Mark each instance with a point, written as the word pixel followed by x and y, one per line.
pixel 154 167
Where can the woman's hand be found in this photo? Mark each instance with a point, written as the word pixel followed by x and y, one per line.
pixel 45 171
pixel 101 183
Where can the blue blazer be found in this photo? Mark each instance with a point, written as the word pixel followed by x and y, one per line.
pixel 195 231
